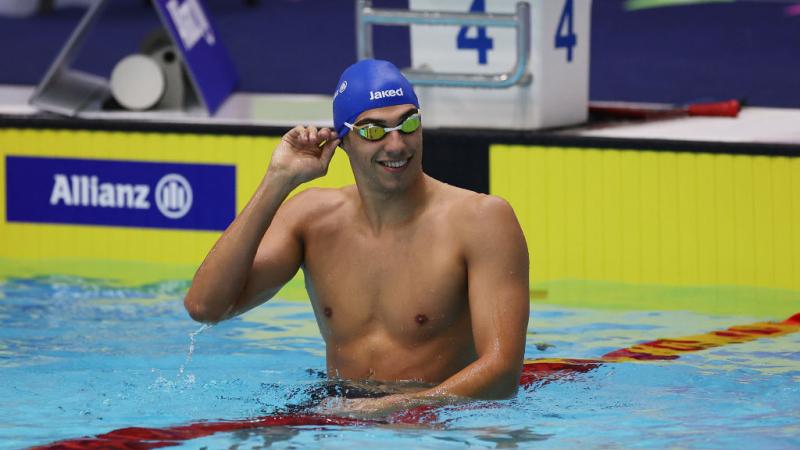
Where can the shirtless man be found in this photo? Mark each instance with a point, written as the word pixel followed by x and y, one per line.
pixel 409 278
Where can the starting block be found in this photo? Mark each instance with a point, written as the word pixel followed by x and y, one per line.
pixel 493 64
pixel 145 81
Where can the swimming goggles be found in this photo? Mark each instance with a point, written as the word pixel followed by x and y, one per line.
pixel 372 132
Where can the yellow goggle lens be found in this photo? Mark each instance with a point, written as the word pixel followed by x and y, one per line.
pixel 372 132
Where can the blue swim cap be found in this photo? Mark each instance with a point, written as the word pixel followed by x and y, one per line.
pixel 369 84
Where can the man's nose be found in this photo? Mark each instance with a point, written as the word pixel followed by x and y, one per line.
pixel 394 142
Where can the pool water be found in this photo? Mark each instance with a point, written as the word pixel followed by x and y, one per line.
pixel 81 357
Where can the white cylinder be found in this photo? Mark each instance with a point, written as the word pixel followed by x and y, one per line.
pixel 138 82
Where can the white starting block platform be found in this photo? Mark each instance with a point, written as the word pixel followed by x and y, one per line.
pixel 498 64
pixel 754 125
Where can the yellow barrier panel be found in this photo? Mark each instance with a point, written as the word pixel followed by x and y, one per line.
pixel 595 219
pixel 73 246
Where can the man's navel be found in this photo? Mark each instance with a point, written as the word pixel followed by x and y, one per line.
pixel 421 319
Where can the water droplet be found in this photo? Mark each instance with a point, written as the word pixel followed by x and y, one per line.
pixel 192 336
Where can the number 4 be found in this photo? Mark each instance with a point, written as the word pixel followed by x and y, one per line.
pixel 566 38
pixel 482 43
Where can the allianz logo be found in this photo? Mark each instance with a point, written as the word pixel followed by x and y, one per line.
pixel 172 194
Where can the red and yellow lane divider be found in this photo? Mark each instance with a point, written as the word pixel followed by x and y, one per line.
pixel 660 349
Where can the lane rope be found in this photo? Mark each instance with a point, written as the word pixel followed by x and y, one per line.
pixel 534 371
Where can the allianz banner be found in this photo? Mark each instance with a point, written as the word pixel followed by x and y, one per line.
pixel 120 193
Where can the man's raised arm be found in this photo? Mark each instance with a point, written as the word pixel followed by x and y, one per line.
pixel 261 251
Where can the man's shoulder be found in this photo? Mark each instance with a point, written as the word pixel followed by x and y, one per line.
pixel 473 216
pixel 314 203
pixel 323 195
pixel 483 224
pixel 472 207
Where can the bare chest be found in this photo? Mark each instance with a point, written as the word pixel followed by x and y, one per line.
pixel 410 286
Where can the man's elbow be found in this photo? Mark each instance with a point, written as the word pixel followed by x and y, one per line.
pixel 200 312
pixel 512 390
pixel 505 374
pixel 507 385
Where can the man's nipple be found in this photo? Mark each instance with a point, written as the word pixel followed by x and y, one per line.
pixel 421 319
pixel 328 312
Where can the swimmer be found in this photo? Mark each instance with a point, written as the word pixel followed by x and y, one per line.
pixel 409 278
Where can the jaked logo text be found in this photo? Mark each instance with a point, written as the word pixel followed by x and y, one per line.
pixel 375 95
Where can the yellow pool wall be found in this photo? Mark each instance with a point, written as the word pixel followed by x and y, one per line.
pixel 606 228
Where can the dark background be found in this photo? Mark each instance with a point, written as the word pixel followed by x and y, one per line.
pixel 680 54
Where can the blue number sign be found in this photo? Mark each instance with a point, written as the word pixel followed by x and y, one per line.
pixel 566 38
pixel 482 43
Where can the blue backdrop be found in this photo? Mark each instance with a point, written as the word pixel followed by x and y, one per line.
pixel 678 54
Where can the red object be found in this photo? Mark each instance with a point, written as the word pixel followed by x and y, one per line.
pixel 728 108
pixel 618 110
pixel 795 319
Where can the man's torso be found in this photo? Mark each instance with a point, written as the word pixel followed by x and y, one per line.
pixel 391 305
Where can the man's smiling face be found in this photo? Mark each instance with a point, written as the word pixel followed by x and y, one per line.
pixel 392 163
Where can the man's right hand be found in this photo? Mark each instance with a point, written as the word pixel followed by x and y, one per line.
pixel 303 154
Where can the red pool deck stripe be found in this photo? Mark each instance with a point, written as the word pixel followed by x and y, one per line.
pixel 534 371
